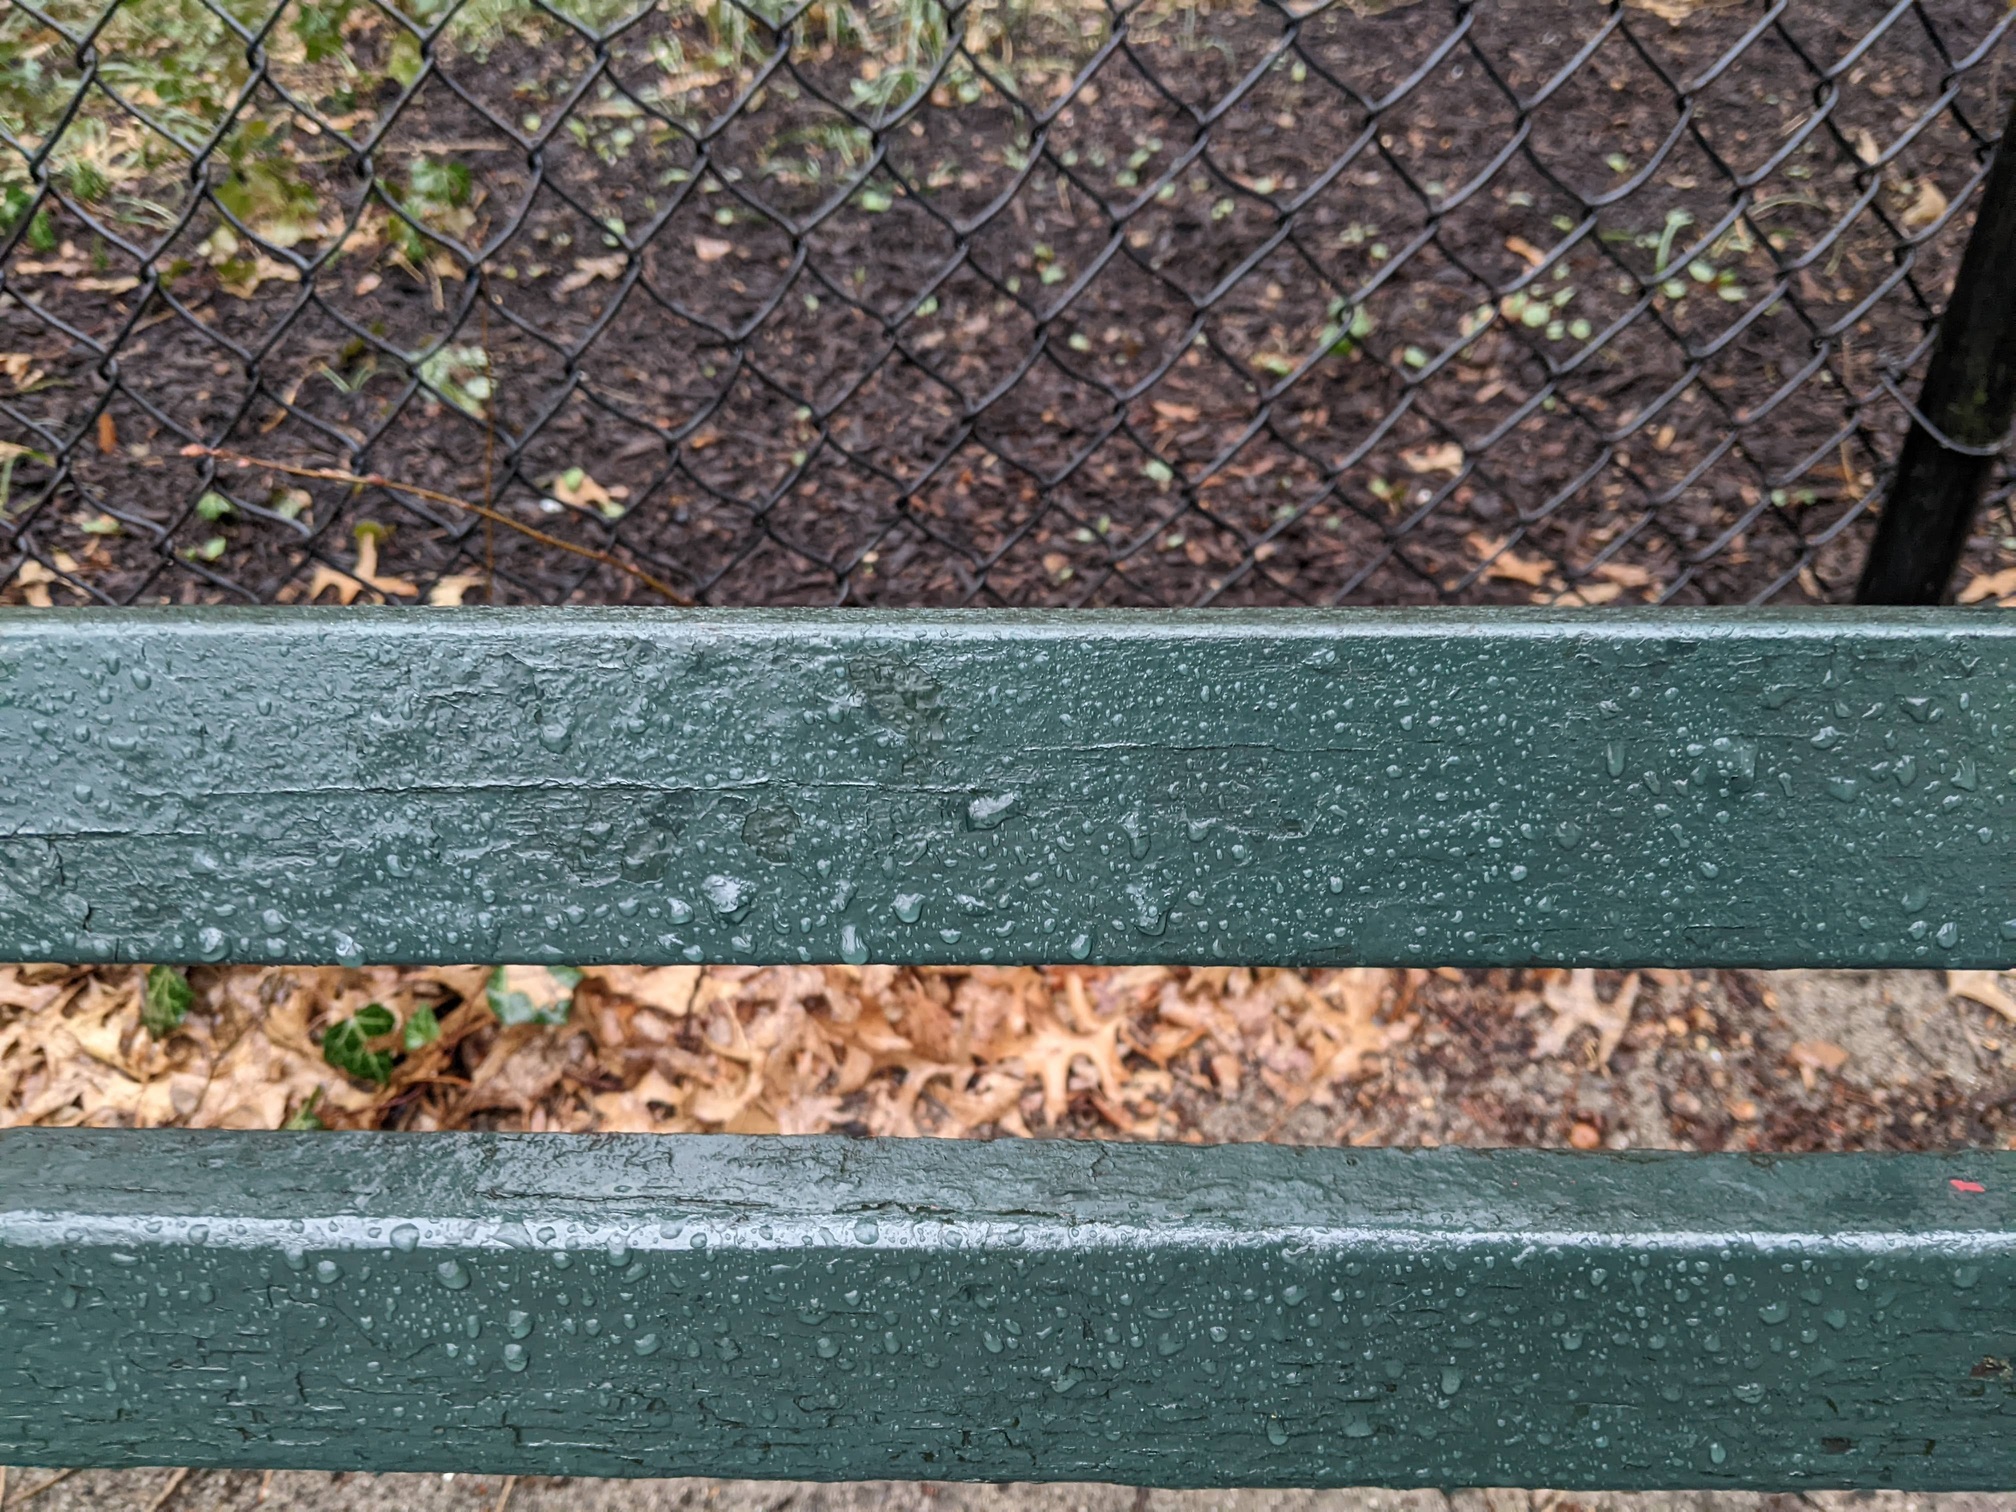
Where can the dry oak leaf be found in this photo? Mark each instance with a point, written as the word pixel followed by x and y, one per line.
pixel 669 989
pixel 1347 1020
pixel 575 487
pixel 20 370
pixel 1581 596
pixel 1447 457
pixel 1677 12
pixel 1576 1006
pixel 449 591
pixel 1625 574
pixel 1503 564
pixel 990 1097
pixel 1926 206
pixel 588 269
pixel 33 988
pixel 348 585
pixel 1983 987
pixel 1051 1048
pixel 34 579
pixel 1812 1056
pixel 1990 585
pixel 635 1109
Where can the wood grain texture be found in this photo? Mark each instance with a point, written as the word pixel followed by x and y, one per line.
pixel 1727 788
pixel 1244 1315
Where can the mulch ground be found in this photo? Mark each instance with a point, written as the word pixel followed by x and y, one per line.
pixel 1150 377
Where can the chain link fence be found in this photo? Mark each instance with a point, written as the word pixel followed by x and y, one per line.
pixel 1007 302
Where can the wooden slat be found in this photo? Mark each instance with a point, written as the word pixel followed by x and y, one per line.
pixel 1437 787
pixel 948 1310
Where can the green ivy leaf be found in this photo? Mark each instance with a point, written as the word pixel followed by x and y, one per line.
pixel 166 1001
pixel 442 183
pixel 305 1116
pixel 347 1044
pixel 422 1028
pixel 533 994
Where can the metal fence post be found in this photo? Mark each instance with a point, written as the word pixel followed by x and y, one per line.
pixel 1963 414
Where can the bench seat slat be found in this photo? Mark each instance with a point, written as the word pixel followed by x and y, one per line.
pixel 1167 1315
pixel 1725 788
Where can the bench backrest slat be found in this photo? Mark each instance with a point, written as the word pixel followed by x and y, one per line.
pixel 1726 788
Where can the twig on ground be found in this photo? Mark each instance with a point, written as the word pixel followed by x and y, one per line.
pixel 504 1496
pixel 378 480
pixel 36 1490
pixel 174 1484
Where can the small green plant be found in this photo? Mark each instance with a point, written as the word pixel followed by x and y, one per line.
pixel 165 1001
pixel 319 25
pixel 439 195
pixel 347 1044
pixel 369 1043
pixel 533 994
pixel 1346 327
pixel 265 189
pixel 15 201
pixel 440 184
pixel 907 53
pixel 460 375
pixel 422 1029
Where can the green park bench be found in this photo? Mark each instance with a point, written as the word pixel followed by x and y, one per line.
pixel 1734 788
pixel 1743 788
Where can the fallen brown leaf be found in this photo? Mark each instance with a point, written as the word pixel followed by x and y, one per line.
pixel 1990 585
pixel 347 585
pixel 1927 205
pixel 1984 987
pixel 1505 565
pixel 1581 595
pixel 1821 1056
pixel 1446 457
pixel 1626 575
pixel 669 989
pixel 588 269
pixel 1576 1006
pixel 452 589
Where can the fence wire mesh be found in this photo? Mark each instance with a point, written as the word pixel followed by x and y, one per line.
pixel 1009 302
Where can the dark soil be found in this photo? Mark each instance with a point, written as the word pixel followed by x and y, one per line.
pixel 970 383
pixel 1781 1062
